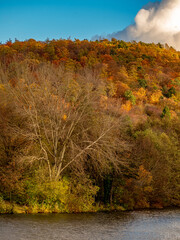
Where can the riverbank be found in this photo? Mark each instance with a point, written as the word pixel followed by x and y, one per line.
pixel 13 208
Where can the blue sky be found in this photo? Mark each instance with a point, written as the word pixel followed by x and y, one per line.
pixel 82 19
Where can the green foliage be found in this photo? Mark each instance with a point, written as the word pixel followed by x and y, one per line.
pixel 82 196
pixel 66 195
pixel 177 81
pixel 159 153
pixel 142 83
pixel 5 207
pixel 166 112
pixel 129 96
pixel 168 92
pixel 48 193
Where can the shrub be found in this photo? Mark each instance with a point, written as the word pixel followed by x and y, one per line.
pixel 166 112
pixel 129 96
pixel 142 83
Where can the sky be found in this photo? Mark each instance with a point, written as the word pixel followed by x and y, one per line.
pixel 54 19
pixel 155 22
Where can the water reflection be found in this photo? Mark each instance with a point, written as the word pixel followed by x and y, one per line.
pixel 139 225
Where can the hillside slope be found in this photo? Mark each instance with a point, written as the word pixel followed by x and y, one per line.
pixel 86 126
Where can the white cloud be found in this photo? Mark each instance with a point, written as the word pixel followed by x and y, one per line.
pixel 155 22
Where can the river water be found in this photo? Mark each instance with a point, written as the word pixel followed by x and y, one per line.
pixel 137 225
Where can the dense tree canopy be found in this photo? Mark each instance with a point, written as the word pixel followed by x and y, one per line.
pixel 88 125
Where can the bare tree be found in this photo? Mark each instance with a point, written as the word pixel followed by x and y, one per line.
pixel 65 124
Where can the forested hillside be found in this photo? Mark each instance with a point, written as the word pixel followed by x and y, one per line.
pixel 88 126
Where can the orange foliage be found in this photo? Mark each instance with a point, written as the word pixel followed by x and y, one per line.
pixel 121 88
pixel 127 106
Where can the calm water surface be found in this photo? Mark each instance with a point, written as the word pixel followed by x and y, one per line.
pixel 139 225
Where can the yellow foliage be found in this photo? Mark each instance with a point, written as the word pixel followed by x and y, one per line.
pixel 2 87
pixel 140 94
pixel 5 207
pixel 155 96
pixel 175 98
pixel 127 106
pixel 17 209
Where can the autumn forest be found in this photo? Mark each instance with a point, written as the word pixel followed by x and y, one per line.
pixel 88 126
